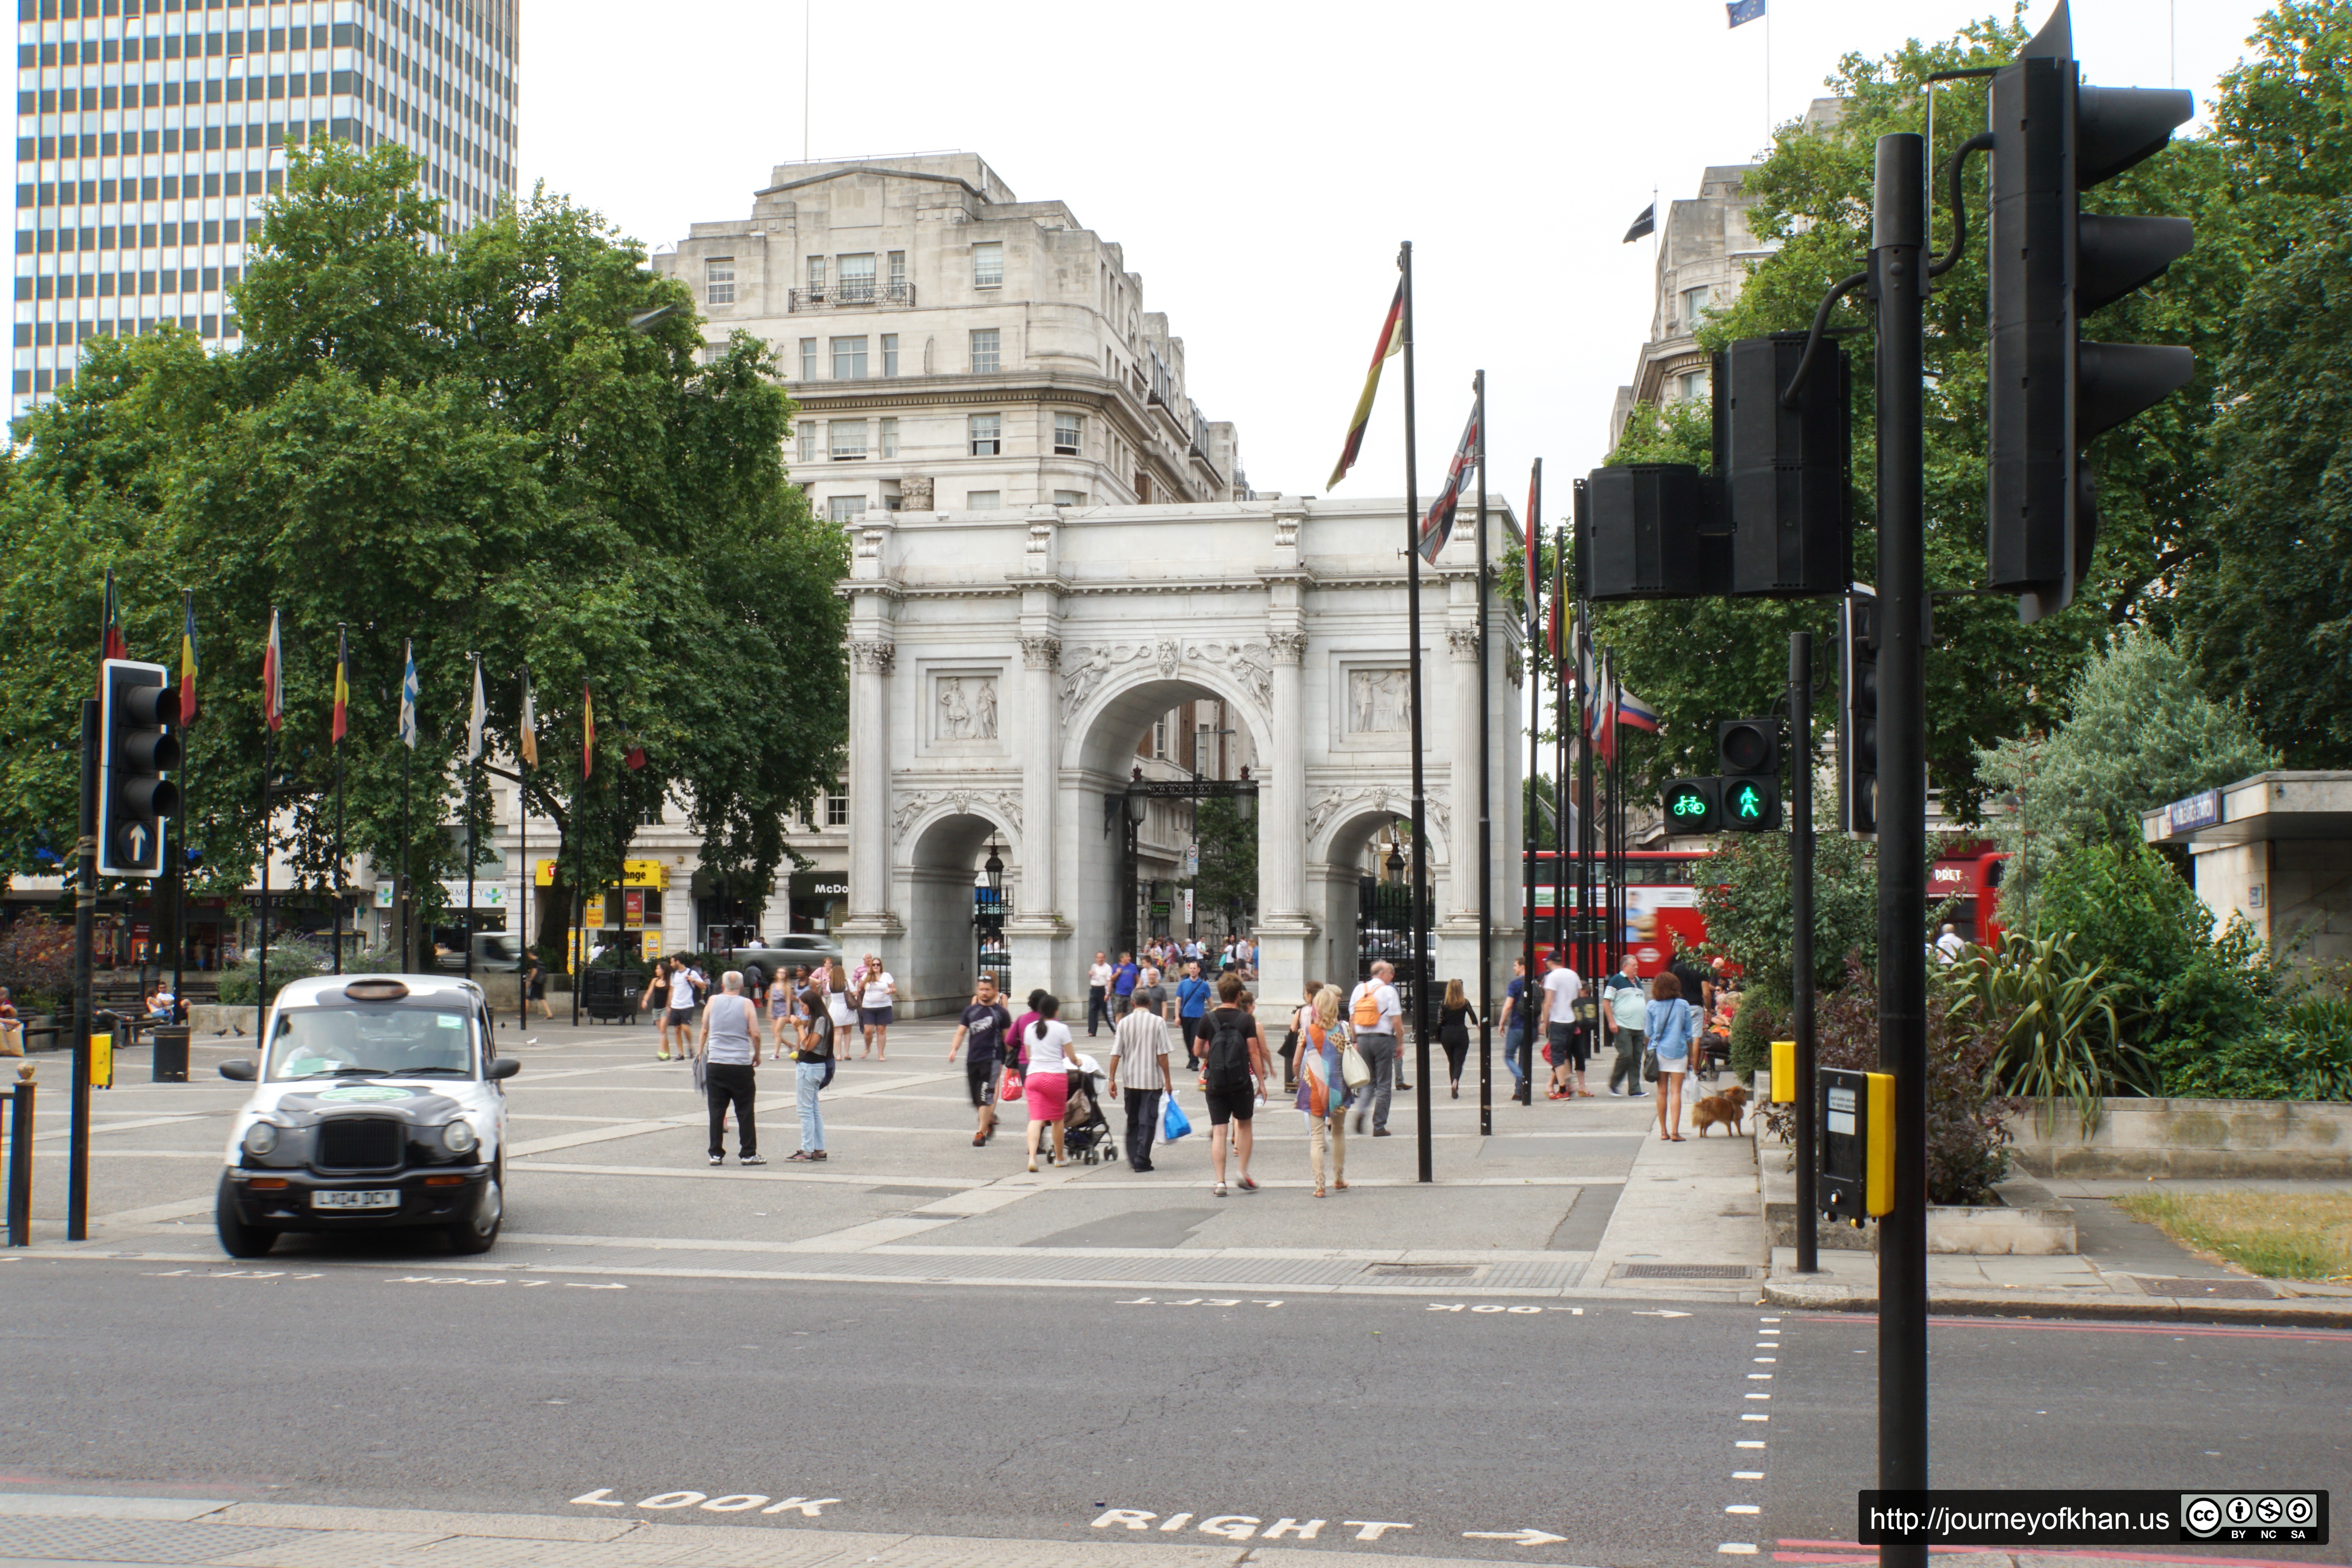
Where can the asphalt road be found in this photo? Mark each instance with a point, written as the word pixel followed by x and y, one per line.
pixel 1018 1412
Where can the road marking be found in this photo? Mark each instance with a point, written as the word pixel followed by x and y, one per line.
pixel 1753 1416
pixel 1748 1443
pixel 130 1125
pixel 1245 1526
pixel 1516 1537
pixel 1660 1313
pixel 1741 1508
pixel 1200 1301
pixel 1766 1361
pixel 1759 1377
pixel 1747 1475
pixel 1458 1307
pixel 726 1502
pixel 1737 1549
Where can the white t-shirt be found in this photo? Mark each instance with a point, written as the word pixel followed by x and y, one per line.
pixel 1100 976
pixel 878 986
pixel 1950 945
pixel 1051 1053
pixel 1561 988
pixel 1392 1010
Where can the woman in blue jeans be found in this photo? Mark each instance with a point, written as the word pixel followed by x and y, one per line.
pixel 1672 1022
pixel 810 1065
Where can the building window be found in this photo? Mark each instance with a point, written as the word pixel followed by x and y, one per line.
pixel 898 275
pixel 987 434
pixel 857 278
pixel 808 359
pixel 988 264
pixel 1693 301
pixel 986 352
pixel 845 509
pixel 848 358
pixel 1069 434
pixel 846 438
pixel 817 276
pixel 982 500
pixel 1069 497
pixel 889 438
pixel 1160 737
pixel 808 441
pixel 1693 384
pixel 719 281
pixel 889 353
pixel 836 809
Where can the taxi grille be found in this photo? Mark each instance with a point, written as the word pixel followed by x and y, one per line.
pixel 361 1143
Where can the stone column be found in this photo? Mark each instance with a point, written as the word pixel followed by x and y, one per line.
pixel 1036 933
pixel 1457 920
pixel 1285 931
pixel 870 661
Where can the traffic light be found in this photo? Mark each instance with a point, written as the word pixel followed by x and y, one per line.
pixel 1784 470
pixel 1858 712
pixel 2048 392
pixel 1656 531
pixel 1694 806
pixel 136 747
pixel 1749 752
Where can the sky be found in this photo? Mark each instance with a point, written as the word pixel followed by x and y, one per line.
pixel 1259 162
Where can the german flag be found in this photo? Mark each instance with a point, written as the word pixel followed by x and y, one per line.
pixel 189 667
pixel 1391 342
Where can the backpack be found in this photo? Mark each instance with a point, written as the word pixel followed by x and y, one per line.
pixel 1227 1068
pixel 1367 1014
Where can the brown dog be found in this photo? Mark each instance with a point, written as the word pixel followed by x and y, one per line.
pixel 1727 1108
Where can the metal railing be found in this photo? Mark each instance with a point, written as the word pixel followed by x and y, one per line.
pixel 852 293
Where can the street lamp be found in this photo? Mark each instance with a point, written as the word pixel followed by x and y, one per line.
pixel 994 866
pixel 1395 862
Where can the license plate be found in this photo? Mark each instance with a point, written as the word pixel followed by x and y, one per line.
pixel 376 1200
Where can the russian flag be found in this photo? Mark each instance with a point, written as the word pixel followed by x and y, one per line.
pixel 1635 713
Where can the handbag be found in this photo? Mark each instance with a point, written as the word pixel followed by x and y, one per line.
pixel 1649 1064
pixel 1354 1070
pixel 1011 1087
pixel 1173 1122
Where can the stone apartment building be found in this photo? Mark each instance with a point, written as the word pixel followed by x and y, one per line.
pixel 954 349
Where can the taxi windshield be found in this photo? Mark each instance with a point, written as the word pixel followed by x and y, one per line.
pixel 370 1042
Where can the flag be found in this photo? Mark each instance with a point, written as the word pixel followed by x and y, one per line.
pixel 529 726
pixel 587 731
pixel 1744 11
pixel 474 720
pixel 1634 713
pixel 1392 340
pixel 1648 222
pixel 1439 525
pixel 273 678
pixel 342 688
pixel 1535 479
pixel 408 695
pixel 188 668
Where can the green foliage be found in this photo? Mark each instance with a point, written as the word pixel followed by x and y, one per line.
pixel 2139 733
pixel 2051 1020
pixel 2305 1054
pixel 1749 908
pixel 1755 1023
pixel 1228 875
pixel 240 984
pixel 460 442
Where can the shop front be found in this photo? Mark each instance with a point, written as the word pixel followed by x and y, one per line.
pixel 818 900
pixel 625 919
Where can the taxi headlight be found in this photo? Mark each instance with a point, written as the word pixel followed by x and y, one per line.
pixel 260 1139
pixel 458 1138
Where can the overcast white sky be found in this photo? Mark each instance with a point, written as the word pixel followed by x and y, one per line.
pixel 1260 161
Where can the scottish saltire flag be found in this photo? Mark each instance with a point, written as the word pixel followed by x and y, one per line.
pixel 1744 10
pixel 408 695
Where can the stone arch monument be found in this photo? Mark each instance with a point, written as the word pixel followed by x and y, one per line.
pixel 1005 667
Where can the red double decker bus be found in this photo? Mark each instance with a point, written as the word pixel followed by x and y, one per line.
pixel 1661 889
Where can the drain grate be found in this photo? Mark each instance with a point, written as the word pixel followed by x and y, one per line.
pixel 2212 1290
pixel 1685 1271
pixel 1424 1270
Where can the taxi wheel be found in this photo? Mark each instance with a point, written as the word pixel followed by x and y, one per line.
pixel 238 1238
pixel 479 1232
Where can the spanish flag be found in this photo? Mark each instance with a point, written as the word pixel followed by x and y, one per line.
pixel 587 732
pixel 189 668
pixel 1391 342
pixel 342 688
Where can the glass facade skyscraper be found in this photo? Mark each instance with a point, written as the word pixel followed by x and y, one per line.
pixel 150 134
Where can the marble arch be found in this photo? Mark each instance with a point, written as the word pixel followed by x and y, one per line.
pixel 1005 666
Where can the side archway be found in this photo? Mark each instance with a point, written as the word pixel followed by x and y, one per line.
pixel 937 871
pixel 1337 834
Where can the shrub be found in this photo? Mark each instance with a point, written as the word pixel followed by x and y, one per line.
pixel 2049 1021
pixel 240 984
pixel 36 963
pixel 2306 1055
pixel 1757 1022
pixel 1747 905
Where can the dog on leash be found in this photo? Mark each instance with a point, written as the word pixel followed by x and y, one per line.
pixel 1727 1108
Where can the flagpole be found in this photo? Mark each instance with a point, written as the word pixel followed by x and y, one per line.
pixel 1529 533
pixel 1587 843
pixel 400 910
pixel 261 1006
pixel 529 943
pixel 343 653
pixel 1561 806
pixel 179 852
pixel 1420 800
pixel 473 780
pixel 1486 811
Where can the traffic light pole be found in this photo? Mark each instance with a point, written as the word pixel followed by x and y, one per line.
pixel 1898 259
pixel 1800 856
pixel 85 1016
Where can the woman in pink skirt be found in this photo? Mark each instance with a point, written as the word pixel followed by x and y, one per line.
pixel 1047 1046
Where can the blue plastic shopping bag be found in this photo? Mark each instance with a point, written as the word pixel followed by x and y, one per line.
pixel 1173 1122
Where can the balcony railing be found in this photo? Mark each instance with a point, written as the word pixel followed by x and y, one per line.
pixel 853 293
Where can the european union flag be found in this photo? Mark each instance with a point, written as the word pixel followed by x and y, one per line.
pixel 1744 10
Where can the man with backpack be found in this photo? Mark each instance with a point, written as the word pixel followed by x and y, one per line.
pixel 1231 1066
pixel 1373 1014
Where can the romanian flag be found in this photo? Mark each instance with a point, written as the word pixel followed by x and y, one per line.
pixel 189 668
pixel 1392 341
pixel 587 732
pixel 273 678
pixel 342 688
pixel 529 726
pixel 1438 526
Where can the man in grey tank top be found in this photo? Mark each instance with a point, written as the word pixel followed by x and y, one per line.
pixel 730 1048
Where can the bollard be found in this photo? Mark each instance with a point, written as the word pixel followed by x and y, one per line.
pixel 20 1158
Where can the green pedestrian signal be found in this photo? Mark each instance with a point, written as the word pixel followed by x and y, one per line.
pixel 1748 802
pixel 1692 806
pixel 1751 805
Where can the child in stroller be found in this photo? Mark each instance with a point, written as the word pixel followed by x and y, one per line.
pixel 1085 1131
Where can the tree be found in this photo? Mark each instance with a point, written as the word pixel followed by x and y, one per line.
pixel 462 444
pixel 1228 838
pixel 2140 733
pixel 1747 903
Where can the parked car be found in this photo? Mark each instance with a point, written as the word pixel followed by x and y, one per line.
pixel 494 952
pixel 376 1104
pixel 800 950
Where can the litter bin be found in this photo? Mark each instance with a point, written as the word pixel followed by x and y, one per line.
pixel 171 1053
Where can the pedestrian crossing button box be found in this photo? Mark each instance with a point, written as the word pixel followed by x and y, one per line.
pixel 1857 1157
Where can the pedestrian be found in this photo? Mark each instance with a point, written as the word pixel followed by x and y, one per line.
pixel 534 984
pixel 1696 980
pixel 874 998
pixel 1046 1074
pixel 1192 993
pixel 985 1028
pixel 1150 996
pixel 1098 979
pixel 1566 1042
pixel 685 996
pixel 1323 1092
pixel 1628 1006
pixel 1950 945
pixel 1297 1032
pixel 1122 983
pixel 1670 1028
pixel 1139 1050
pixel 12 1031
pixel 656 1001
pixel 729 1050
pixel 785 1010
pixel 1373 1016
pixel 1231 1068
pixel 811 1070
pixel 1455 1017
pixel 1515 1030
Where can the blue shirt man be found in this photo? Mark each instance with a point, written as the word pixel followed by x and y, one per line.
pixel 1122 983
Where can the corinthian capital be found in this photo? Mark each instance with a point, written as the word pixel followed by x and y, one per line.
pixel 1041 653
pixel 873 658
pixel 1287 648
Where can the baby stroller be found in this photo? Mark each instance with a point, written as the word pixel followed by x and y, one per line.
pixel 1085 1131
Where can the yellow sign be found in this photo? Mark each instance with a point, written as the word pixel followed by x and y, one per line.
pixel 101 1061
pixel 1784 1071
pixel 652 949
pixel 634 874
pixel 595 919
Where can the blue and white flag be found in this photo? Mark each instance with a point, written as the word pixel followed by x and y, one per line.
pixel 408 695
pixel 1744 10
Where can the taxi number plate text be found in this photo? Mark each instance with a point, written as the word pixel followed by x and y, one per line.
pixel 375 1200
